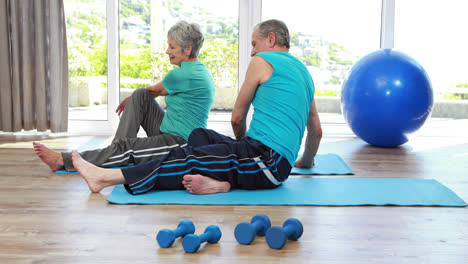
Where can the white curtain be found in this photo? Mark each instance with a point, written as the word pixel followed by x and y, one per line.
pixel 33 66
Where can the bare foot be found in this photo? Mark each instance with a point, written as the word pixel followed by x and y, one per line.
pixel 199 184
pixel 96 178
pixel 53 159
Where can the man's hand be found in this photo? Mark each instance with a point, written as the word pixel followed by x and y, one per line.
pixel 301 163
pixel 121 106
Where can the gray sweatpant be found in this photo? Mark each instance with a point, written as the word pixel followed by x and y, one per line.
pixel 141 110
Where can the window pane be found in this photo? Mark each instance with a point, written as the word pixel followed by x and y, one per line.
pixel 438 40
pixel 143 42
pixel 87 59
pixel 329 36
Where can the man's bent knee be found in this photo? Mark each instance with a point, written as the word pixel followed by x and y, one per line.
pixel 198 137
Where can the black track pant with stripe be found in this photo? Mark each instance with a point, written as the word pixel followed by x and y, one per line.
pixel 244 163
pixel 141 111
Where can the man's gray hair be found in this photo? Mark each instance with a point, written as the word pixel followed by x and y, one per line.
pixel 185 34
pixel 278 27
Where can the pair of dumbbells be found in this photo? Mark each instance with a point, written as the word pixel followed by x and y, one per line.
pixel 245 233
pixel 191 243
pixel 275 236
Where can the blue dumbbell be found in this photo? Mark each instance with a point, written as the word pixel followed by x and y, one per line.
pixel 245 232
pixel 166 237
pixel 277 236
pixel 191 243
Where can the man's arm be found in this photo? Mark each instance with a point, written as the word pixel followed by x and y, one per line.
pixel 258 72
pixel 314 135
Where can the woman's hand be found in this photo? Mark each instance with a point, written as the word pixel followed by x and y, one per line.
pixel 121 106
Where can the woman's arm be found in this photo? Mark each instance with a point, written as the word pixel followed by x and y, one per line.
pixel 157 89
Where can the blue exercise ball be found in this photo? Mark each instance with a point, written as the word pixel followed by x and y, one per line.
pixel 386 96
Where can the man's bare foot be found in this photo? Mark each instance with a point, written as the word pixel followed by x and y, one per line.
pixel 199 184
pixel 96 178
pixel 53 159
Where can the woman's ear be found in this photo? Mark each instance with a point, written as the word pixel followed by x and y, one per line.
pixel 188 50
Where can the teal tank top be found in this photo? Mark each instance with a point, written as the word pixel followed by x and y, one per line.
pixel 282 104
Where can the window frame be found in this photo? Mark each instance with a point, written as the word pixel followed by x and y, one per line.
pixel 93 127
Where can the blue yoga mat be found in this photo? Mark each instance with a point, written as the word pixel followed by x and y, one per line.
pixel 312 191
pixel 325 164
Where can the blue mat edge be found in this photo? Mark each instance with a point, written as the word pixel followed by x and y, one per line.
pixel 338 158
pixel 461 204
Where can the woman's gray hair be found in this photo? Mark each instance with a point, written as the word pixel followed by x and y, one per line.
pixel 278 27
pixel 185 34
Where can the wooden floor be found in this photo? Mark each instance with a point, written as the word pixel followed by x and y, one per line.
pixel 49 218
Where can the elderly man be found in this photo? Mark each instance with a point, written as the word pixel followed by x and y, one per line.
pixel 281 91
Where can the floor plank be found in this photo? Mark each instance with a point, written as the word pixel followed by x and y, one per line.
pixel 50 218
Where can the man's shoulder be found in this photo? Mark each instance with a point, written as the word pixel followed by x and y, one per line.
pixel 277 56
pixel 259 64
pixel 260 69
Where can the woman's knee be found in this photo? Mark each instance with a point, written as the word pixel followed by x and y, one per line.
pixel 141 93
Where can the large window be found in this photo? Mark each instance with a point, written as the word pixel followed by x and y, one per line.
pixel 87 59
pixel 143 42
pixel 435 34
pixel 329 36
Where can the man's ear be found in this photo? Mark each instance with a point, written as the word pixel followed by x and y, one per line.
pixel 188 50
pixel 271 39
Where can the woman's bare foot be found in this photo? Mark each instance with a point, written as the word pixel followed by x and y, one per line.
pixel 199 184
pixel 53 159
pixel 96 178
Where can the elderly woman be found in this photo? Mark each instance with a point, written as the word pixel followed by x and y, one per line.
pixel 188 90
